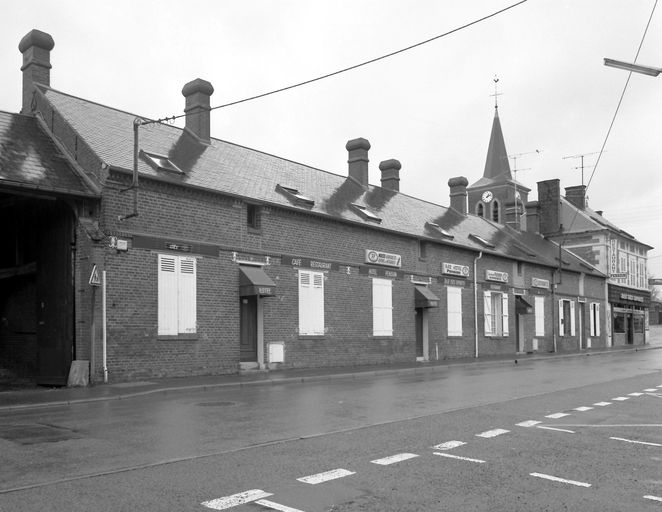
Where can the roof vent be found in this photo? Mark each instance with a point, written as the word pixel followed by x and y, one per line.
pixel 365 213
pixel 294 195
pixel 160 162
pixel 437 228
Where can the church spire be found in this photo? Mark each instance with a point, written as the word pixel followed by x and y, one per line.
pixel 497 164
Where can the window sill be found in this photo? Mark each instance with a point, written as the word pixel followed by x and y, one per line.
pixel 312 336
pixel 254 231
pixel 179 337
pixel 382 337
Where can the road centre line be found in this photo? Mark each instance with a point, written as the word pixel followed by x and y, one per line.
pixel 651 390
pixel 236 499
pixel 562 480
pixel 325 477
pixel 493 433
pixel 394 458
pixel 277 506
pixel 459 458
pixel 528 423
pixel 449 445
pixel 557 429
pixel 654 498
pixel 620 398
pixel 557 415
pixel 583 408
pixel 633 441
pixel 635 394
pixel 602 404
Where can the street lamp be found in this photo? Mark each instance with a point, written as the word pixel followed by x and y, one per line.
pixel 637 68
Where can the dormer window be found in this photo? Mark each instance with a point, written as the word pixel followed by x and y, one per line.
pixel 438 229
pixel 481 241
pixel 294 195
pixel 365 213
pixel 160 162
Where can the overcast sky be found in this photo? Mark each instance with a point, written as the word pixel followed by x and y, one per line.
pixel 429 107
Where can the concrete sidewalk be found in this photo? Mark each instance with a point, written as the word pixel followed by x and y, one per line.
pixel 47 397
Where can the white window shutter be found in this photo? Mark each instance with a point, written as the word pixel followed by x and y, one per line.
pixel 167 295
pixel 317 303
pixel 540 315
pixel 187 304
pixel 561 319
pixel 305 299
pixel 504 297
pixel 382 307
pixel 597 319
pixel 454 306
pixel 572 318
pixel 487 306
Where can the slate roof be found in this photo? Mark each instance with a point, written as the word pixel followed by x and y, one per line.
pixel 30 160
pixel 238 171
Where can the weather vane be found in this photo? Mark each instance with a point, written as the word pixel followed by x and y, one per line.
pixel 496 81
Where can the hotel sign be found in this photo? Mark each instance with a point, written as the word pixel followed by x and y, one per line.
pixel 383 258
pixel 536 282
pixel 381 272
pixel 495 275
pixel 453 269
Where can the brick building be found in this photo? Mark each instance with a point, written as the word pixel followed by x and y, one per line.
pixel 218 258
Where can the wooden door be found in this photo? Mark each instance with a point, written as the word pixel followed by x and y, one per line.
pixel 248 329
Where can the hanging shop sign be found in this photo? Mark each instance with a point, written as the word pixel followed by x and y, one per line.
pixel 495 275
pixel 383 258
pixel 381 272
pixel 308 263
pixel 453 269
pixel 613 256
pixel 536 282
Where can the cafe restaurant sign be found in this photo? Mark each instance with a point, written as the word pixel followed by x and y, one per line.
pixel 495 275
pixel 453 269
pixel 308 263
pixel 383 258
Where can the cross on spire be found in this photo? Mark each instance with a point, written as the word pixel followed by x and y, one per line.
pixel 496 81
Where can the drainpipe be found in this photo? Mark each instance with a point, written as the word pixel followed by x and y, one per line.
pixel 103 326
pixel 554 306
pixel 480 255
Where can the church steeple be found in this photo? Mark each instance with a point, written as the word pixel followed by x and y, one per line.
pixel 497 164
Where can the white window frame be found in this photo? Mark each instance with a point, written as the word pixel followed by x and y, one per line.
pixel 563 321
pixel 382 307
pixel 496 318
pixel 454 310
pixel 311 303
pixel 177 295
pixel 595 319
pixel 539 309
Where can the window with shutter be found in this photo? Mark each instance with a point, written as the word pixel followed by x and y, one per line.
pixel 177 295
pixel 595 319
pixel 454 304
pixel 487 313
pixel 505 331
pixel 495 311
pixel 572 317
pixel 187 296
pixel 540 315
pixel 311 303
pixel 382 307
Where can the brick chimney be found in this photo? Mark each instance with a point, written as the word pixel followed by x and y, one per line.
pixel 198 94
pixel 549 203
pixel 358 160
pixel 532 217
pixel 576 195
pixel 391 174
pixel 458 194
pixel 36 48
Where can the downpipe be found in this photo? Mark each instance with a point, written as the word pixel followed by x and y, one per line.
pixel 480 255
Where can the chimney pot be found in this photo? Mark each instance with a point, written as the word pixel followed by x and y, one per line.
pixel 458 194
pixel 391 174
pixel 358 160
pixel 36 48
pixel 197 108
pixel 576 196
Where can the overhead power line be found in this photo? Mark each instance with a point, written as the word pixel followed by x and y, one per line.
pixel 350 68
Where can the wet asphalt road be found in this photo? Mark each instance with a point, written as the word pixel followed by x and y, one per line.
pixel 177 451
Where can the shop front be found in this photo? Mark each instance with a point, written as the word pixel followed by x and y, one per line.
pixel 629 314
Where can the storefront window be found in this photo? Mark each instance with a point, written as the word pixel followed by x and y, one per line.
pixel 619 324
pixel 638 323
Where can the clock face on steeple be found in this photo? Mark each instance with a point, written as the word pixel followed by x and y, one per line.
pixel 487 196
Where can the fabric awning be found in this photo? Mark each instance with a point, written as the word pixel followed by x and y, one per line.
pixel 254 281
pixel 424 298
pixel 522 307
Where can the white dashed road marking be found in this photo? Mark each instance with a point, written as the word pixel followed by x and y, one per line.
pixel 635 394
pixel 562 480
pixel 235 499
pixel 459 458
pixel 557 415
pixel 277 506
pixel 654 498
pixel 449 445
pixel 633 441
pixel 493 433
pixel 650 390
pixel 602 404
pixel 325 477
pixel 583 408
pixel 557 429
pixel 621 398
pixel 528 423
pixel 394 458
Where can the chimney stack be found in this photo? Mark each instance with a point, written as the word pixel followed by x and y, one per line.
pixel 532 217
pixel 458 194
pixel 576 195
pixel 358 160
pixel 198 94
pixel 549 202
pixel 390 174
pixel 36 48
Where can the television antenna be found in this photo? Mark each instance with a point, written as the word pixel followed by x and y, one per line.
pixel 582 166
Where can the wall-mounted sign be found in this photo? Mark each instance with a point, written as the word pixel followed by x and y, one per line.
pixel 383 258
pixel 118 243
pixel 308 263
pixel 461 283
pixel 453 269
pixel 495 275
pixel 381 272
pixel 536 282
pixel 171 246
pixel 618 275
pixel 94 277
pixel 613 255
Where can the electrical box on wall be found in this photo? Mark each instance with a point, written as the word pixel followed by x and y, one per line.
pixel 119 244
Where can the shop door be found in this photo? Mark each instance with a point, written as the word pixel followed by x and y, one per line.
pixel 629 329
pixel 248 329
pixel 582 326
pixel 519 333
pixel 419 332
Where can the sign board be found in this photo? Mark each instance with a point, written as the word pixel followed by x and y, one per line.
pixel 453 269
pixel 381 272
pixel 383 258
pixel 655 281
pixel 618 275
pixel 495 275
pixel 540 283
pixel 308 263
pixel 94 277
